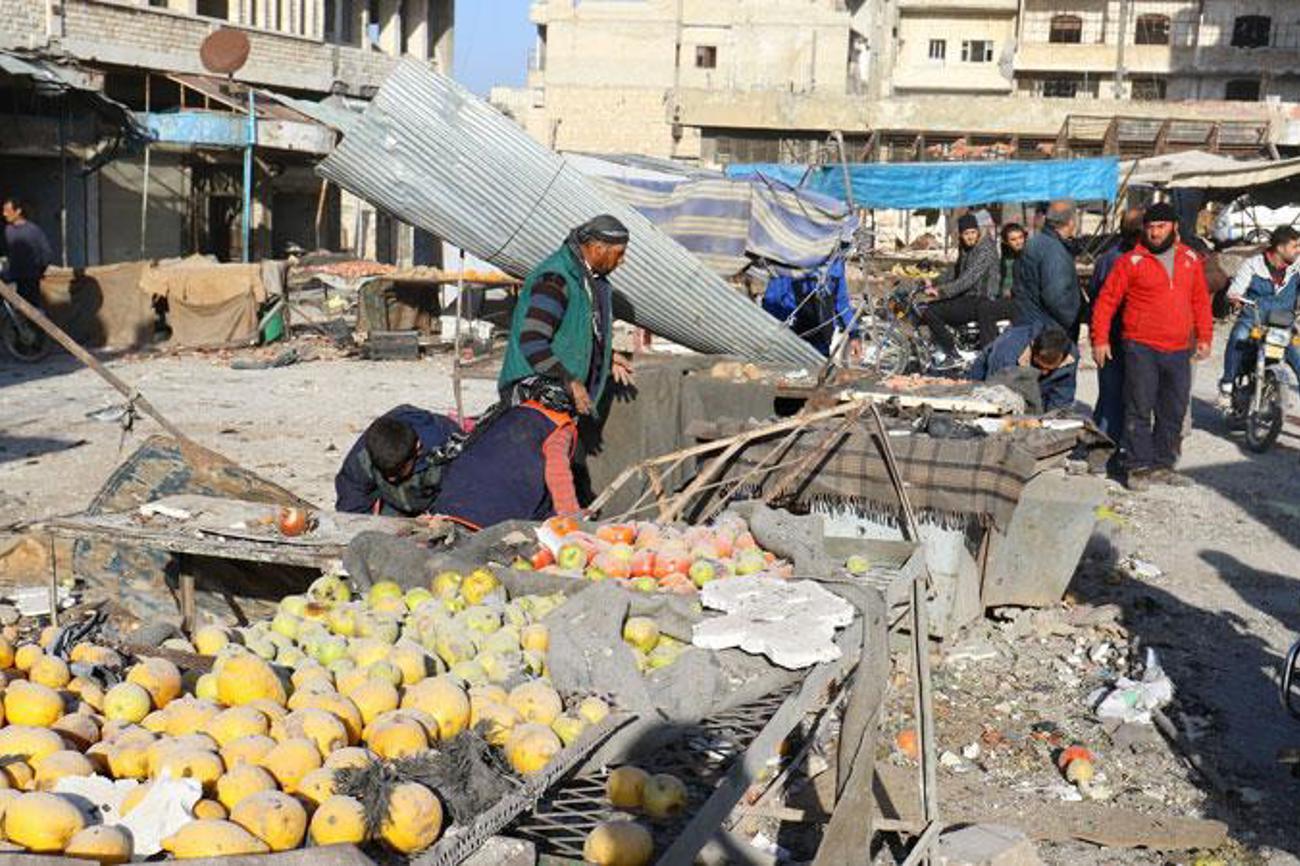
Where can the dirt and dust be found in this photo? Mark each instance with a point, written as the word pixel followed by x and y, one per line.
pixel 1220 613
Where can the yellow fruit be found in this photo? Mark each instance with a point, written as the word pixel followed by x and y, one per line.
pixel 6 653
pixel 664 796
pixel 32 704
pixel 530 747
pixel 159 677
pixel 311 672
pixel 568 728
pixel 236 722
pixel 190 715
pixel 339 820
pixel 41 822
pixel 56 765
pixel 496 721
pixel 155 722
pixel 490 693
pixel 537 702
pixel 396 738
pixel 128 759
pixel 344 709
pixel 322 728
pixel 210 810
pixel 246 750
pixel 350 681
pixel 618 843
pixel 274 817
pixel 290 761
pixel 203 766
pixel 316 787
pixel 535 637
pixel 641 632
pixel 111 846
pixel 47 636
pixel 50 671
pixel 626 787
pixel 411 661
pixel 89 653
pixel 414 819
pixel 374 697
pixel 353 756
pixel 211 639
pixel 367 651
pixel 79 729
pixel 164 746
pixel 593 710
pixel 19 775
pixel 89 693
pixel 29 743
pixel 135 796
pixel 127 702
pixel 477 585
pixel 213 839
pixel 445 700
pixel 268 708
pixel 26 655
pixel 244 678
pixel 242 781
pixel 206 687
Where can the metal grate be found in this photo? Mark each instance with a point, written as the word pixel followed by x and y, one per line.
pixel 700 758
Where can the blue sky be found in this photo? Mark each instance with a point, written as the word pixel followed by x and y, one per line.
pixel 492 42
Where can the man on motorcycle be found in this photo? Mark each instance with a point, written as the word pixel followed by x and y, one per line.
pixel 976 280
pixel 1160 287
pixel 1269 281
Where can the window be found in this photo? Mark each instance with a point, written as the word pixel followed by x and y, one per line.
pixel 939 49
pixel 1152 30
pixel 1242 90
pixel 1251 31
pixel 1149 89
pixel 1066 30
pixel 706 57
pixel 976 51
pixel 1060 88
pixel 219 9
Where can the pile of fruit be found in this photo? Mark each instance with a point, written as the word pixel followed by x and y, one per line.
pixel 383 677
pixel 623 842
pixel 649 557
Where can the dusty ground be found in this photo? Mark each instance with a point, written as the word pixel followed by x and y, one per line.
pixel 1221 616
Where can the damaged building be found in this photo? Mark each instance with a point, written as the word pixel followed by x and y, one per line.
pixel 127 146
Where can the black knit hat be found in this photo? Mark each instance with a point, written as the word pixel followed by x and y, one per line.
pixel 967 221
pixel 1160 212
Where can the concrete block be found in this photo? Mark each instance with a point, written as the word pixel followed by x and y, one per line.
pixel 985 845
pixel 503 851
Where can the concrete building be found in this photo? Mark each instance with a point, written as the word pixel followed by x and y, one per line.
pixel 71 71
pixel 744 80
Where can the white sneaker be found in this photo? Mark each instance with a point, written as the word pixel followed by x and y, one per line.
pixel 967 356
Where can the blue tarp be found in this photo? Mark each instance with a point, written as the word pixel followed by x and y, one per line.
pixel 950 184
pixel 731 224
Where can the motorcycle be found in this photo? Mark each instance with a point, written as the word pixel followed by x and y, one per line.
pixel 1258 401
pixel 897 341
pixel 23 340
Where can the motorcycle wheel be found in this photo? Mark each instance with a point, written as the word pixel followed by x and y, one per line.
pixel 894 355
pixel 1263 427
pixel 23 350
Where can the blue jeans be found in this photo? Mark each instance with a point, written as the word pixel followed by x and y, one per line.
pixel 1233 352
pixel 1108 414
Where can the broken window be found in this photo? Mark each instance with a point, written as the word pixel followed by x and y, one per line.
pixel 977 51
pixel 1242 90
pixel 706 57
pixel 1152 30
pixel 1061 88
pixel 1066 29
pixel 1252 31
pixel 938 49
pixel 1149 89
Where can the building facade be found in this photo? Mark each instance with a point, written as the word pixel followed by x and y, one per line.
pixel 103 197
pixel 742 80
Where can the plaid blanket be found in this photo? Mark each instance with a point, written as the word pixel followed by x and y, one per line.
pixel 946 478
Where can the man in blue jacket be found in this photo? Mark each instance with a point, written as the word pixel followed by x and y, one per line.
pixel 1044 348
pixel 392 468
pixel 1046 283
pixel 814 305
pixel 1270 280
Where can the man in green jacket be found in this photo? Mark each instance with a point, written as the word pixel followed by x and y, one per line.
pixel 562 328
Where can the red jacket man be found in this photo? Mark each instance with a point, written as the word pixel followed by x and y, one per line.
pixel 1166 310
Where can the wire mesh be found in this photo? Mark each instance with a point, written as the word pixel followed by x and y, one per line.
pixel 700 757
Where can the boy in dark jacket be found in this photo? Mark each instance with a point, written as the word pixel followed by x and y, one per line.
pixel 391 469
pixel 1045 348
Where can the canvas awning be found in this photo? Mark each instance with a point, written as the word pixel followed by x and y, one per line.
pixel 1198 169
pixel 54 80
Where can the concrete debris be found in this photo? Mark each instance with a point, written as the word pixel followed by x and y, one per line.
pixel 1141 569
pixel 1133 700
pixel 793 623
pixel 986 845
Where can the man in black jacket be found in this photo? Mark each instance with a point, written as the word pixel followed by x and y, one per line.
pixel 392 468
pixel 976 281
pixel 1046 283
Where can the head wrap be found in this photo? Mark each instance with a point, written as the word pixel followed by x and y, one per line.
pixel 605 229
pixel 967 221
pixel 1160 212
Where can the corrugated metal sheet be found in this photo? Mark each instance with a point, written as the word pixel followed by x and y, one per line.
pixel 437 157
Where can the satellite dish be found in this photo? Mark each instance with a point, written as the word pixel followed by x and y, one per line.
pixel 224 51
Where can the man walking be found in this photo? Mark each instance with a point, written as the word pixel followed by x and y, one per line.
pixel 562 328
pixel 1046 283
pixel 1161 287
pixel 29 255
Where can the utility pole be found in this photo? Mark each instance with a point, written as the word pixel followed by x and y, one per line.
pixel 1125 7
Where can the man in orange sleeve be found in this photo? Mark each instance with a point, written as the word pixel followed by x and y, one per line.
pixel 1160 286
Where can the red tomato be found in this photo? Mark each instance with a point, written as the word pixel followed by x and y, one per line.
pixel 292 521
pixel 542 558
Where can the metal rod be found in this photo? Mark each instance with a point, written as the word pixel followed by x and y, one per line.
pixel 63 178
pixel 248 177
pixel 144 182
pixel 455 360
